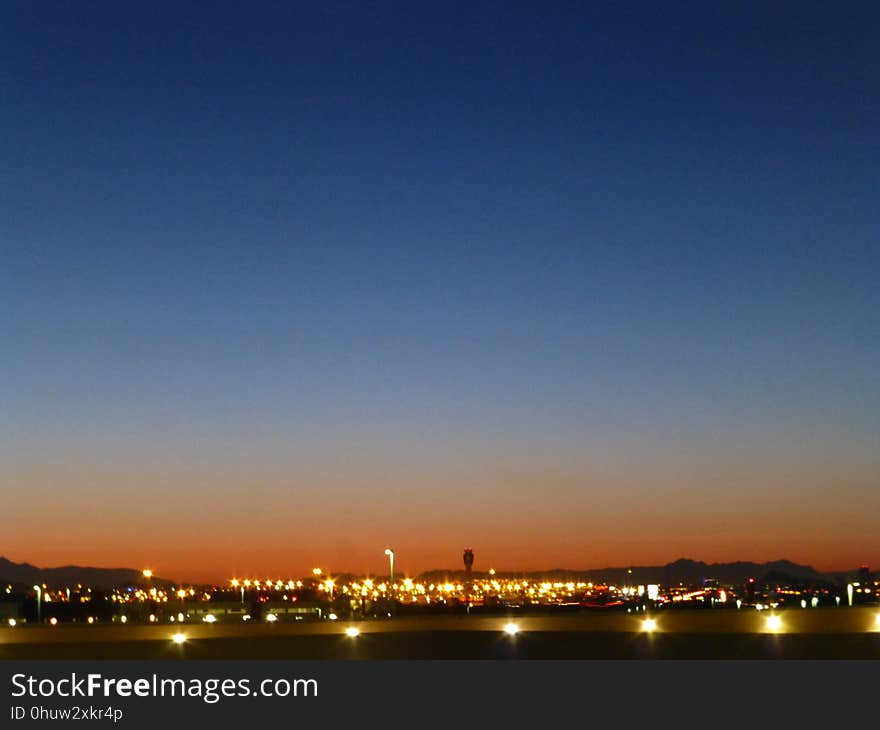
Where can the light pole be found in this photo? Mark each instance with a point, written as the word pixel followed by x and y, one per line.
pixel 390 553
pixel 39 601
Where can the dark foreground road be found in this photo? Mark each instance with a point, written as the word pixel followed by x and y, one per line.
pixel 808 634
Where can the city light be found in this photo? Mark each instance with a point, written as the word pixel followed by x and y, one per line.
pixel 773 623
pixel 511 629
pixel 271 618
pixel 649 625
pixel 147 573
pixel 12 622
pixel 178 638
pixel 352 632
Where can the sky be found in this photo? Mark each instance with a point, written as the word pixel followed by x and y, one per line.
pixel 282 284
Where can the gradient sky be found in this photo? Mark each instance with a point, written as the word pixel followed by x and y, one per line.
pixel 281 284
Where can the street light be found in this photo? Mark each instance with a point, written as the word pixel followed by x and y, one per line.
pixel 390 553
pixel 39 600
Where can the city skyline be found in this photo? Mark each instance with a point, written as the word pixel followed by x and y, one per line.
pixel 575 286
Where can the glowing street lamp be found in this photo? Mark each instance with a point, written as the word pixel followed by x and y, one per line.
pixel 147 573
pixel 390 553
pixel 236 584
pixel 39 600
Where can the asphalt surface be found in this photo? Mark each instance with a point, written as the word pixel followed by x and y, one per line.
pixel 832 633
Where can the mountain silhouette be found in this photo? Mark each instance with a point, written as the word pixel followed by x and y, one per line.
pixel 682 570
pixel 27 574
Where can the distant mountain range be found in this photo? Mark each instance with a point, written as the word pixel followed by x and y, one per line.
pixel 682 570
pixel 27 574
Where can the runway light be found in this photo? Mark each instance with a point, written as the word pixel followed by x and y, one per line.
pixel 352 632
pixel 649 625
pixel 178 638
pixel 511 629
pixel 773 623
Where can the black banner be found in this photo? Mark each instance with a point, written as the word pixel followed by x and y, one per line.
pixel 136 694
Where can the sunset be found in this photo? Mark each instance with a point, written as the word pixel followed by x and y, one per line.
pixel 333 333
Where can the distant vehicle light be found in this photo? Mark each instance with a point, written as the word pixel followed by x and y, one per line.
pixel 352 632
pixel 210 618
pixel 332 616
pixel 271 618
pixel 12 621
pixel 178 638
pixel 511 629
pixel 53 621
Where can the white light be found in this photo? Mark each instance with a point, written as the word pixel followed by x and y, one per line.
pixel 511 629
pixel 210 618
pixel 271 618
pixel 876 622
pixel 352 631
pixel 773 623
pixel 649 624
pixel 332 616
pixel 123 619
pixel 53 621
pixel 178 638
pixel 12 621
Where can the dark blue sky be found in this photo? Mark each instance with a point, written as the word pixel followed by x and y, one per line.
pixel 552 254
